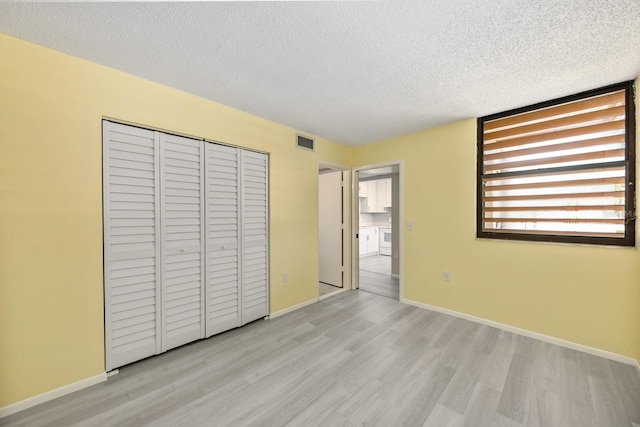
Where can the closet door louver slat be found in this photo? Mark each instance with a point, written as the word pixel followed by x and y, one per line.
pixel 223 233
pixel 254 208
pixel 182 242
pixel 131 244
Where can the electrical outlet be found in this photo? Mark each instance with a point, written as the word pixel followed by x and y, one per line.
pixel 285 277
pixel 446 276
pixel 410 225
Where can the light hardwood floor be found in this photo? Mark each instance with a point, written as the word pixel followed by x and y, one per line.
pixel 375 276
pixel 357 359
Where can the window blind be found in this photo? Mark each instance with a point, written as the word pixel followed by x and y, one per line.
pixel 562 170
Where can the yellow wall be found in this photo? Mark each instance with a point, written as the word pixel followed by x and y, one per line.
pixel 51 106
pixel 583 294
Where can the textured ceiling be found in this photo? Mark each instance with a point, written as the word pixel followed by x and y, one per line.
pixel 352 72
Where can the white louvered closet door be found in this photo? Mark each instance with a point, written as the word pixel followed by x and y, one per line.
pixel 131 244
pixel 182 195
pixel 223 234
pixel 255 238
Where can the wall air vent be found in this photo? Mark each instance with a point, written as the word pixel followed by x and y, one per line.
pixel 306 143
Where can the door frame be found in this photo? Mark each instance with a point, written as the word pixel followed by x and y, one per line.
pixel 347 191
pixel 355 220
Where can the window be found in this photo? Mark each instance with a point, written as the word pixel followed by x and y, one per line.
pixel 561 171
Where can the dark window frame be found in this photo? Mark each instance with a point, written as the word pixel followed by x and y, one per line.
pixel 629 162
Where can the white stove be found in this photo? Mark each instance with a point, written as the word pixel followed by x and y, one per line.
pixel 385 241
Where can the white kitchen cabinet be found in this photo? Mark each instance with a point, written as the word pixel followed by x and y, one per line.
pixel 362 242
pixel 386 193
pixel 383 194
pixel 369 242
pixel 370 201
pixel 372 196
pixel 368 193
pixel 375 195
pixel 363 186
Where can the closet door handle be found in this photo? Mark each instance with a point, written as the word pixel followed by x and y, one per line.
pixel 183 250
pixel 223 247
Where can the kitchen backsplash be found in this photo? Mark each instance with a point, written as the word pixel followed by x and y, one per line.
pixel 380 219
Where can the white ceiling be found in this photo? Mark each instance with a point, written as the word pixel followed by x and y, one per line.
pixel 352 72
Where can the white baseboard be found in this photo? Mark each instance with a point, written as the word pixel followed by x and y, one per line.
pixel 292 308
pixel 51 394
pixel 546 338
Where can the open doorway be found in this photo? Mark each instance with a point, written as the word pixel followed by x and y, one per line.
pixel 378 220
pixel 333 229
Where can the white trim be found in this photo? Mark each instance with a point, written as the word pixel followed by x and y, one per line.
pixel 106 242
pixel 51 394
pixel 292 308
pixel 524 332
pixel 332 293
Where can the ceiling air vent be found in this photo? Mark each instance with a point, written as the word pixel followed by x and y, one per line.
pixel 306 143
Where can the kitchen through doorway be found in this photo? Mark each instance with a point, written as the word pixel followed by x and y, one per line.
pixel 378 230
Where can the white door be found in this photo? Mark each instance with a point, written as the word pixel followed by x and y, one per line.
pixel 330 227
pixel 255 239
pixel 182 198
pixel 223 237
pixel 131 243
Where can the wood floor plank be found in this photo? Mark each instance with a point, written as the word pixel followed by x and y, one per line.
pixel 543 410
pixel 628 380
pixel 607 403
pixel 357 359
pixel 462 385
pixel 481 410
pixel 441 416
pixel 427 393
pixel 498 362
pixel 515 397
pixel 315 414
pixel 575 395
